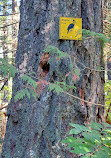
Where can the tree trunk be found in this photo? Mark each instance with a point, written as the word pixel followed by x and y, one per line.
pixel 35 129
pixel 14 27
pixel 3 54
pixel 5 31
pixel 5 45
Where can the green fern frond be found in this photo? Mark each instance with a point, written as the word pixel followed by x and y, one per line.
pixel 7 69
pixel 20 95
pixel 65 86
pixel 53 50
pixel 27 93
pixel 77 71
pixel 29 80
pixel 99 36
pixel 34 94
pixel 12 70
pixel 56 88
pixel 95 140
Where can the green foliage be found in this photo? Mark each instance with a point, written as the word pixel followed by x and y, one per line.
pixel 28 91
pixel 29 80
pixel 7 69
pixel 93 141
pixel 7 90
pixel 76 71
pixel 20 95
pixel 108 99
pixel 99 36
pixel 33 93
pixel 60 87
pixel 25 92
pixel 1 140
pixel 55 51
pixel 56 88
pixel 65 86
pixel 60 54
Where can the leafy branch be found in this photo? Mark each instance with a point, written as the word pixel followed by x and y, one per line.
pixel 91 141
pixel 59 87
pixel 99 36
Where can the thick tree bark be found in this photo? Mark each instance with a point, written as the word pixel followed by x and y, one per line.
pixel 35 129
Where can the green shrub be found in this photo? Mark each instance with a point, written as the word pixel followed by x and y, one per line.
pixel 93 141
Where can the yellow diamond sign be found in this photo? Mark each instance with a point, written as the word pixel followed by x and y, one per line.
pixel 70 28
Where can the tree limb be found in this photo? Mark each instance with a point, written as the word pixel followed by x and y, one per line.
pixel 4 107
pixel 4 84
pixel 83 99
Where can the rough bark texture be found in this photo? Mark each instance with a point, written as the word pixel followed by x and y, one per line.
pixel 35 129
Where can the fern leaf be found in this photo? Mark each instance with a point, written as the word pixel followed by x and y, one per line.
pixel 19 95
pixel 12 71
pixel 27 93
pixel 7 68
pixel 29 80
pixel 54 50
pixel 34 94
pixel 56 88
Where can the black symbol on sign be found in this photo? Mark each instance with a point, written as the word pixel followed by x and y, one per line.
pixel 71 26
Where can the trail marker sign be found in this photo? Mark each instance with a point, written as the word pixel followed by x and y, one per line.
pixel 70 28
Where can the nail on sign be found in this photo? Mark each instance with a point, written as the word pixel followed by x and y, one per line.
pixel 70 28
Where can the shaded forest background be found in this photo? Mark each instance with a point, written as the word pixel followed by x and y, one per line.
pixel 9 25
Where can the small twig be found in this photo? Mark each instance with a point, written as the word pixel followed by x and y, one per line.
pixel 8 51
pixel 107 22
pixel 85 67
pixel 4 85
pixel 9 14
pixel 8 25
pixel 74 96
pixel 3 79
pixel 4 107
pixel 83 99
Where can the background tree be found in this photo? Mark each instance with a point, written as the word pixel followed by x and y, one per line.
pixel 4 47
pixel 4 41
pixel 35 129
pixel 5 30
pixel 14 26
pixel 107 54
pixel 7 53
